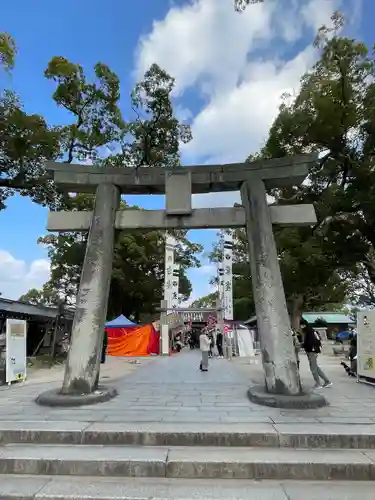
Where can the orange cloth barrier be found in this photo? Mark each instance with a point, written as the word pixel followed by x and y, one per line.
pixel 134 342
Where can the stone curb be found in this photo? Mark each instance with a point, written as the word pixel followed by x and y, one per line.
pixel 192 463
pixel 54 398
pixel 315 436
pixel 15 487
pixel 308 401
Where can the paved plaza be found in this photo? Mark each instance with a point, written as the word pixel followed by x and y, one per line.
pixel 173 390
pixel 169 427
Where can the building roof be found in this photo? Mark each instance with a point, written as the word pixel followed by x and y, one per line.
pixel 9 307
pixel 329 317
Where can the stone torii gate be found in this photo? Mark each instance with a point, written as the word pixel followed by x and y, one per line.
pixel 252 179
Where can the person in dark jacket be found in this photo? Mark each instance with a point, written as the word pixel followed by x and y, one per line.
pixel 103 357
pixel 313 347
pixel 219 344
pixel 104 348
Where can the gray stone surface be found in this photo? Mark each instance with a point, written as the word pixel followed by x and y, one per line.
pixel 200 218
pixel 296 435
pixel 189 434
pixel 98 488
pixel 42 432
pixel 188 462
pixel 329 490
pixel 263 463
pixel 83 460
pixel 306 401
pixel 54 397
pixel 84 356
pixel 21 487
pixel 278 354
pixel 318 435
pixel 277 172
pixel 84 488
pixel 187 396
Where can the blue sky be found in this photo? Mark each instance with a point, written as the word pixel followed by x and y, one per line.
pixel 230 71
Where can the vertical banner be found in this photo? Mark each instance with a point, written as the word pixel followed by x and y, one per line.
pixel 220 274
pixel 175 285
pixel 169 268
pixel 15 350
pixel 228 276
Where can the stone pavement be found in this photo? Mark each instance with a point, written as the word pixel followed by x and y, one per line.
pixel 169 428
pixel 173 390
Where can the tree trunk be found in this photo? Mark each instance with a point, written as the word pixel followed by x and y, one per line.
pixel 296 304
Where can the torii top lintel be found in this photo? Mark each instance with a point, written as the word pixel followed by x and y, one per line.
pixel 279 172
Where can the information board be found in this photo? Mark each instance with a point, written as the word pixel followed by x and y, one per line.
pixel 366 346
pixel 15 350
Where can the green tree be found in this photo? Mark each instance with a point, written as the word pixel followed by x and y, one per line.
pixel 26 143
pixel 44 297
pixel 334 114
pixel 208 301
pixel 153 138
pixel 8 51
pixel 94 106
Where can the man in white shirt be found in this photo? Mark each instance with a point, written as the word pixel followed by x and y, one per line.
pixel 204 345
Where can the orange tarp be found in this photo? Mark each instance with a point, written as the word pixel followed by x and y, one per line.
pixel 134 342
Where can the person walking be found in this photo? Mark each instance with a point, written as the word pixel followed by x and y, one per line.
pixel 313 347
pixel 204 344
pixel 219 344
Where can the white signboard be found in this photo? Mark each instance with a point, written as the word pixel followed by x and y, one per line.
pixel 15 350
pixel 228 276
pixel 169 268
pixel 366 345
pixel 175 286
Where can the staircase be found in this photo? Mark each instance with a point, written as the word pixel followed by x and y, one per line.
pixel 105 460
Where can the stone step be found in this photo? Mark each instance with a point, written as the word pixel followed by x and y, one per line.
pixel 188 462
pixel 301 435
pixel 93 488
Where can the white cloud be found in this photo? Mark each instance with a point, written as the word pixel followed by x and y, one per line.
pixel 17 276
pixel 233 63
pixel 206 270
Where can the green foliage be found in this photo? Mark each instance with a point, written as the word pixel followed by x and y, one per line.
pixel 26 143
pixel 8 51
pixel 44 297
pixel 98 120
pixel 152 139
pixel 240 5
pixel 207 301
pixel 334 114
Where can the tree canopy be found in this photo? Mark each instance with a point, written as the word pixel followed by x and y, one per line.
pixel 328 265
pixel 8 51
pixel 98 134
